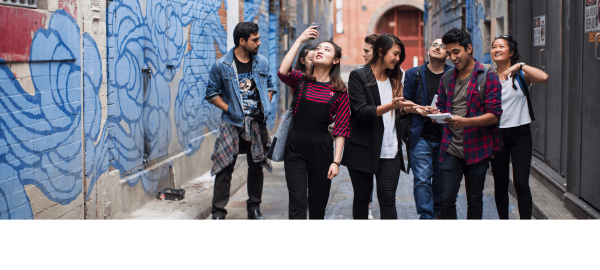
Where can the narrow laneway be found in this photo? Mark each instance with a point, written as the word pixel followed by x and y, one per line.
pixel 275 198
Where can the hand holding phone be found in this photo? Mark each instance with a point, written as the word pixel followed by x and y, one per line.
pixel 318 25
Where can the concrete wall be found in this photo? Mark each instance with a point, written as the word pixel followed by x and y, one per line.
pixel 359 19
pixel 484 19
pixel 100 105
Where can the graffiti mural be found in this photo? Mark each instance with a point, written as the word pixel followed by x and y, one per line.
pixel 40 133
pixel 274 61
pixel 146 52
pixel 475 14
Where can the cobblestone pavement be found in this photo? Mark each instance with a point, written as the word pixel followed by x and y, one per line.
pixel 275 198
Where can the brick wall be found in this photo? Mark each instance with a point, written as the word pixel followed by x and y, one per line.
pixel 359 20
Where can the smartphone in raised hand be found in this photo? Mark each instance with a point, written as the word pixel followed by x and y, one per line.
pixel 318 25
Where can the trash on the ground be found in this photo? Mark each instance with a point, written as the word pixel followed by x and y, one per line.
pixel 171 194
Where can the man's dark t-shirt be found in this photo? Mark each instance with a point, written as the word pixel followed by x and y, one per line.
pixel 432 131
pixel 250 96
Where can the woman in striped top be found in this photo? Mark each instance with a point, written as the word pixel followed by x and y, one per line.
pixel 320 94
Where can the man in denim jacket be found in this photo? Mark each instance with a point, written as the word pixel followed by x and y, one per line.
pixel 241 86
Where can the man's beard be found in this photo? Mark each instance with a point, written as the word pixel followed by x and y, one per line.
pixel 253 52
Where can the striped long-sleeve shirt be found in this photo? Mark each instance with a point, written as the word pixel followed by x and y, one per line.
pixel 321 93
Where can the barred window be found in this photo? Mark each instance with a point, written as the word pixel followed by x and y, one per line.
pixel 20 3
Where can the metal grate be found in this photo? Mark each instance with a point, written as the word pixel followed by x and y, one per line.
pixel 20 3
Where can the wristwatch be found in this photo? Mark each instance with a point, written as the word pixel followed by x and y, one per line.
pixel 403 111
pixel 521 66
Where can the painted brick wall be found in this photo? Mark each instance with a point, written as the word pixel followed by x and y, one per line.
pixel 481 22
pixel 42 108
pixel 104 102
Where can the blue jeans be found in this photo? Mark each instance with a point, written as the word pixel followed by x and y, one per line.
pixel 451 174
pixel 425 164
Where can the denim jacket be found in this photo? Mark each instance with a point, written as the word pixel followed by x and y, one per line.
pixel 223 82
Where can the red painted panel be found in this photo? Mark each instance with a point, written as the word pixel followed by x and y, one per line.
pixel 16 26
pixel 406 24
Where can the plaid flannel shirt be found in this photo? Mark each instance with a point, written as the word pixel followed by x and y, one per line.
pixel 479 142
pixel 227 145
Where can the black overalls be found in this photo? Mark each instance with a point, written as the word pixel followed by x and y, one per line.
pixel 309 153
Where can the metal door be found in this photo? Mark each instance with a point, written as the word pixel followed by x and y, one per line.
pixel 553 87
pixel 590 122
pixel 538 91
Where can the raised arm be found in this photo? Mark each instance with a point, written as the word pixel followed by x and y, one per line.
pixel 532 75
pixel 288 60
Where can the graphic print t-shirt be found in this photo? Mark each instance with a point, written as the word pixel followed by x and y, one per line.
pixel 250 95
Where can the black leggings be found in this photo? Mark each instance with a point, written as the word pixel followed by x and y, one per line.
pixel 387 178
pixel 518 148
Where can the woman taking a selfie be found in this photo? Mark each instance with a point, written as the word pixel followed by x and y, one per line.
pixel 517 145
pixel 374 146
pixel 320 94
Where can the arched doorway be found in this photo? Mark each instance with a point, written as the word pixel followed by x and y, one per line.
pixel 406 23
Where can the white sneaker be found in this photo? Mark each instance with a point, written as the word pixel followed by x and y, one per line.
pixel 370 214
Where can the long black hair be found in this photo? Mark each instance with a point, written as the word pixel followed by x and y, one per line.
pixel 513 47
pixel 302 57
pixel 335 73
pixel 382 45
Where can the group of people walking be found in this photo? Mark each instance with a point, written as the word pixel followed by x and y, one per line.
pixel 369 119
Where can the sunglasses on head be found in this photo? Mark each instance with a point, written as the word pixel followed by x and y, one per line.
pixel 504 36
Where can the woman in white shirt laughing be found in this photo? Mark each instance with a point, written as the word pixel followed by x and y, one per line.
pixel 374 146
pixel 514 126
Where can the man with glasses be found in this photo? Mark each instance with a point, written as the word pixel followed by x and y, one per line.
pixel 421 85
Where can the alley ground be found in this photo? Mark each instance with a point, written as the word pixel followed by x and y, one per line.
pixel 275 198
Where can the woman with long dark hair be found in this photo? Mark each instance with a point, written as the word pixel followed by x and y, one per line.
pixel 319 94
pixel 514 126
pixel 305 58
pixel 374 146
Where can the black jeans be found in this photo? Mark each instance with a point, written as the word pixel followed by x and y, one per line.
pixel 517 148
pixel 255 179
pixel 451 174
pixel 387 182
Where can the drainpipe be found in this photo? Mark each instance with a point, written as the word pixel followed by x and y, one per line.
pixel 463 17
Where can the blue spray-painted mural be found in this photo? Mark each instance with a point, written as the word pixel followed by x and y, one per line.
pixel 40 133
pixel 274 61
pixel 141 126
pixel 476 13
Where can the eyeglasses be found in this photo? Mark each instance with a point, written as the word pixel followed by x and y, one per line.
pixel 441 46
pixel 509 37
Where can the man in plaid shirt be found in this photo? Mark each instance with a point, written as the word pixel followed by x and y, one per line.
pixel 471 137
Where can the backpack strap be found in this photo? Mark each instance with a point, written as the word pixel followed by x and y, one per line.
pixel 525 89
pixel 446 78
pixel 481 80
pixel 420 84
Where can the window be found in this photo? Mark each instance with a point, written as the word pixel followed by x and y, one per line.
pixel 20 3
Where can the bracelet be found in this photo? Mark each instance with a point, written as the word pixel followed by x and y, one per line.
pixel 403 111
pixel 336 163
